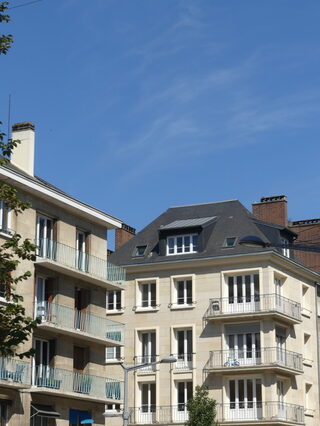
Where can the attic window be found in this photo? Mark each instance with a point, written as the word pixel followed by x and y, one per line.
pixel 182 244
pixel 230 242
pixel 139 251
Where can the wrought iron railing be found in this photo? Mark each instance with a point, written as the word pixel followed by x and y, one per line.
pixel 14 371
pixel 74 319
pixel 79 383
pixel 260 412
pixel 254 304
pixel 233 358
pixel 146 359
pixel 78 260
pixel 184 362
pixel 151 414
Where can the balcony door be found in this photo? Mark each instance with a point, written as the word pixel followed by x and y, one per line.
pixel 281 344
pixel 81 381
pixel 280 395
pixel 81 316
pixel 81 257
pixel 148 348
pixel 184 349
pixel 44 297
pixel 243 293
pixel 244 349
pixel 41 362
pixel 245 399
pixel 44 238
pixel 147 413
pixel 184 393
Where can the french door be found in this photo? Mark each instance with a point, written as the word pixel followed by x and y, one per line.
pixel 244 349
pixel 281 346
pixel 184 346
pixel 243 293
pixel 44 237
pixel 41 363
pixel 81 261
pixel 245 399
pixel 280 395
pixel 184 393
pixel 147 412
pixel 148 349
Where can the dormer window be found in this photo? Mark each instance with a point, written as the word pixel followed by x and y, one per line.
pixel 139 251
pixel 182 244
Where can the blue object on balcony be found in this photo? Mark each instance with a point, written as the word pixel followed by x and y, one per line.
pixel 87 422
pixel 76 416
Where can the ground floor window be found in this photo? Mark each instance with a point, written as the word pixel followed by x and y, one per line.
pixel 77 417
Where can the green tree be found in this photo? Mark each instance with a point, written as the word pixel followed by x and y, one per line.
pixel 201 408
pixel 15 326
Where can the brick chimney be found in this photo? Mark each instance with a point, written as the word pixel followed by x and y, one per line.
pixel 23 155
pixel 123 235
pixel 272 209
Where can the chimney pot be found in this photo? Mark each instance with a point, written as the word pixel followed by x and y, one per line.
pixel 23 155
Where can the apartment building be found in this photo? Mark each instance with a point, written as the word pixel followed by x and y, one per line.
pixel 67 382
pixel 240 320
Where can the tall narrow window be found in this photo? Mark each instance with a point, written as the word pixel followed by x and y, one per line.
pixel 243 293
pixel 148 295
pixel 114 300
pixel 81 258
pixel 44 237
pixel 4 218
pixel 184 349
pixel 184 292
pixel 146 413
pixel 184 393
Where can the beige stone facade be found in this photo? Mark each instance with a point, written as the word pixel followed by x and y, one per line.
pixel 246 328
pixel 67 380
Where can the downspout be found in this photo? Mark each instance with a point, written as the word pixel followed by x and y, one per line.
pixel 318 346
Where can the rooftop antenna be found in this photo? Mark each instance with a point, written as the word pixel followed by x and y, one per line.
pixel 9 118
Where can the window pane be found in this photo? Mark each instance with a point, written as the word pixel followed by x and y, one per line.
pixel 153 294
pixel 248 289
pixel 250 393
pixel 145 293
pixel 231 293
pixel 256 288
pixel 110 300
pixel 180 298
pixel 232 387
pixel 171 245
pixel 189 291
pixel 187 244
pixel 195 242
pixel 179 244
pixel 241 393
pixel 118 299
pixel 181 392
pixel 239 289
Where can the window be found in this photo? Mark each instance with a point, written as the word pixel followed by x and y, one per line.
pixel 44 237
pixel 81 256
pixel 148 295
pixel 184 349
pixel 4 218
pixel 184 292
pixel 146 350
pixel 113 353
pixel 114 300
pixel 184 393
pixel 230 242
pixel 245 399
pixel 306 300
pixel 148 400
pixel 285 250
pixel 307 351
pixel 139 251
pixel 243 292
pixel 308 399
pixel 182 244
pixel 114 407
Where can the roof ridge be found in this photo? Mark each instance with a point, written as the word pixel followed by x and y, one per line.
pixel 202 204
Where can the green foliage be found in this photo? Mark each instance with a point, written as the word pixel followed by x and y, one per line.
pixel 5 40
pixel 201 408
pixel 15 326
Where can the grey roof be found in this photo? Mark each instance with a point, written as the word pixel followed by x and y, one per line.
pixel 188 223
pixel 232 219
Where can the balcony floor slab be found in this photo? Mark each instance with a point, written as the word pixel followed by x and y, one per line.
pixel 249 315
pixel 254 368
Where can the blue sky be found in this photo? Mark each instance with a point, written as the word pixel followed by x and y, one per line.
pixel 144 104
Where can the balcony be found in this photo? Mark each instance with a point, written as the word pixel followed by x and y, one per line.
pixel 255 413
pixel 83 325
pixel 14 373
pixel 150 414
pixel 50 381
pixel 184 362
pixel 229 308
pixel 146 359
pixel 69 261
pixel 238 360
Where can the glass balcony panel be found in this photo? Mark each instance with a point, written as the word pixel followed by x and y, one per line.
pixel 14 371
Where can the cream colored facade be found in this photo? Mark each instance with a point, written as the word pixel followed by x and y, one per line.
pixel 67 380
pixel 254 346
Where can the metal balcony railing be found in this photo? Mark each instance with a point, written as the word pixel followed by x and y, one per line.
pixel 146 359
pixel 233 358
pixel 260 412
pixel 79 383
pixel 14 371
pixel 254 304
pixel 74 319
pixel 151 414
pixel 75 259
pixel 184 362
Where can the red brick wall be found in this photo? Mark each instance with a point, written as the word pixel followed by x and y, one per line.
pixel 309 234
pixel 272 209
pixel 123 235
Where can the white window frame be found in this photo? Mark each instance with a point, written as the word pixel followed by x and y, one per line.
pixel 115 310
pixel 306 300
pixel 183 247
pixel 45 247
pixel 114 350
pixel 285 251
pixel 6 231
pixel 138 302
pixel 174 292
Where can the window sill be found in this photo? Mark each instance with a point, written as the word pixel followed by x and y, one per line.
pixel 146 309
pixel 174 306
pixel 307 362
pixel 6 235
pixel 308 412
pixel 306 312
pixel 114 361
pixel 115 311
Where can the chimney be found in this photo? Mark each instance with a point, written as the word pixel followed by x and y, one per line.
pixel 123 235
pixel 23 155
pixel 272 209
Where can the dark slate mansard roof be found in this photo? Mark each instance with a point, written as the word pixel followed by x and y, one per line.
pixel 215 222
